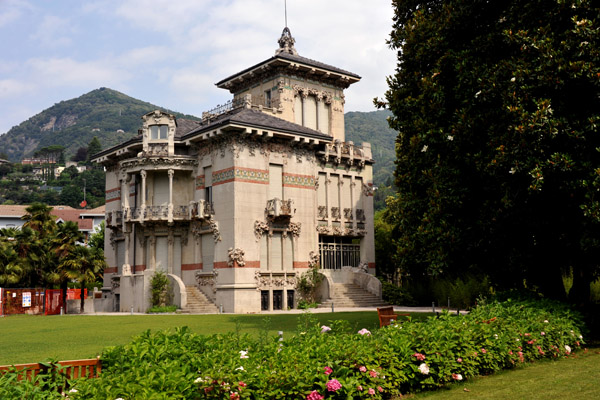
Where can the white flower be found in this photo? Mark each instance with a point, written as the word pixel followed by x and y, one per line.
pixel 512 171
pixel 199 380
pixel 240 368
pixel 580 336
pixel 424 369
pixel 364 331
pixel 477 94
pixel 458 377
pixel 73 391
pixel 568 349
pixel 325 328
pixel 513 79
pixel 424 149
pixel 450 137
pixel 496 335
pixel 243 354
pixel 545 321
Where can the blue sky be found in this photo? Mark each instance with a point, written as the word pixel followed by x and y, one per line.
pixel 171 52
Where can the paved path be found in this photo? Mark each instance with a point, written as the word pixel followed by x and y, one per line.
pixel 399 309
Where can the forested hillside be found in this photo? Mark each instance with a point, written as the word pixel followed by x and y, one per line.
pixel 105 113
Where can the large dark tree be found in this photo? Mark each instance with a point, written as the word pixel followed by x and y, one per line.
pixel 497 105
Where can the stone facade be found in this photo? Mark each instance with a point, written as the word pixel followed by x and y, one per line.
pixel 244 201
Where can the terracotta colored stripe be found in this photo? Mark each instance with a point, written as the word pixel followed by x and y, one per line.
pixel 115 199
pixel 191 267
pixel 248 264
pixel 112 190
pixel 301 264
pixel 299 186
pixel 111 270
pixel 371 265
pixel 139 268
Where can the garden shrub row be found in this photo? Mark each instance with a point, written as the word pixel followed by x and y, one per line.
pixel 330 361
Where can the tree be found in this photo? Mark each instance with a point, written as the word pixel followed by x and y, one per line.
pixel 84 264
pixel 80 155
pixel 93 148
pixel 65 246
pixel 497 106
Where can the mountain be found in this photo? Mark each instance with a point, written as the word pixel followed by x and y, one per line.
pixel 110 115
pixel 114 117
pixel 373 127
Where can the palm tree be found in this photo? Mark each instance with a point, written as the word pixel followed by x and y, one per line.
pixel 84 264
pixel 11 271
pixel 64 244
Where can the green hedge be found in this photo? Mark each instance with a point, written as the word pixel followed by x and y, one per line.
pixel 332 362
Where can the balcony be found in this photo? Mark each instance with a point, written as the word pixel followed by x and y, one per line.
pixel 200 210
pixel 280 209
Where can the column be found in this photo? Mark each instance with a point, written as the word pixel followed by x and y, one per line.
pixel 170 211
pixel 143 205
pixel 170 241
pixel 319 113
pixel 303 96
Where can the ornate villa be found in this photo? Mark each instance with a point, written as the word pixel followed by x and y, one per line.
pixel 235 207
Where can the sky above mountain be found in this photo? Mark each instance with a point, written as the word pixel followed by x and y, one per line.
pixel 171 52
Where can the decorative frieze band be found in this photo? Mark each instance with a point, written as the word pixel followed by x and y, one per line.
pixel 113 195
pixel 240 174
pixel 299 181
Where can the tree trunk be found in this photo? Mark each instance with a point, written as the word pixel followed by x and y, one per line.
pixel 82 305
pixel 63 287
pixel 580 291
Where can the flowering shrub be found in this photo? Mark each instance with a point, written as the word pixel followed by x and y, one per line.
pixel 340 364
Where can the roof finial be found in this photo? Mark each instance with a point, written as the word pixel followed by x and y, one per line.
pixel 286 43
pixel 285 8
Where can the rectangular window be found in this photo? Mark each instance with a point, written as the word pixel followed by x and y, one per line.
pixel 162 254
pixel 322 190
pixel 208 184
pixel 298 110
pixel 275 181
pixel 208 252
pixel 267 98
pixel 275 251
pixel 120 255
pixel 159 132
pixel 310 103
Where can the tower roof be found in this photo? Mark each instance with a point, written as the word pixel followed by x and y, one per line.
pixel 287 59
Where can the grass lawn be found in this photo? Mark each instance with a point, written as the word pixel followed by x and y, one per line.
pixel 27 339
pixel 577 377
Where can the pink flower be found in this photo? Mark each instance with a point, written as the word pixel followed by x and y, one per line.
pixel 530 341
pixel 371 391
pixel 510 352
pixel 540 350
pixel 328 370
pixel 419 356
pixel 364 331
pixel 234 396
pixel 333 385
pixel 459 359
pixel 359 388
pixel 483 351
pixel 242 384
pixel 380 389
pixel 457 377
pixel 373 373
pixel 527 334
pixel 543 333
pixel 314 395
pixel 325 328
pixel 362 368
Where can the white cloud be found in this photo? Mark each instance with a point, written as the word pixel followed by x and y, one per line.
pixel 12 10
pixel 11 87
pixel 60 72
pixel 53 31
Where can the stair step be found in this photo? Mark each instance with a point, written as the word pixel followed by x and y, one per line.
pixel 198 303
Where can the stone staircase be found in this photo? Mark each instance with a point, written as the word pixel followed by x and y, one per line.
pixel 351 295
pixel 198 303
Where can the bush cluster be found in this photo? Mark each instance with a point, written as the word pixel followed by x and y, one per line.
pixel 333 362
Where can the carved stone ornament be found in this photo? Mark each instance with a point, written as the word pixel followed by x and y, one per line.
pixel 236 256
pixel 337 231
pixel 367 189
pixel 207 279
pixel 323 230
pixel 347 214
pixel 286 43
pixel 115 283
pixel 112 239
pixel 215 230
pixel 260 228
pixel 363 266
pixel 295 228
pixel 313 259
pixel 322 213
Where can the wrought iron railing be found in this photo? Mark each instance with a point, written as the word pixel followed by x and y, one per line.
pixel 336 255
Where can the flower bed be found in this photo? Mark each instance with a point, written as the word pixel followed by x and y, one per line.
pixel 329 362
